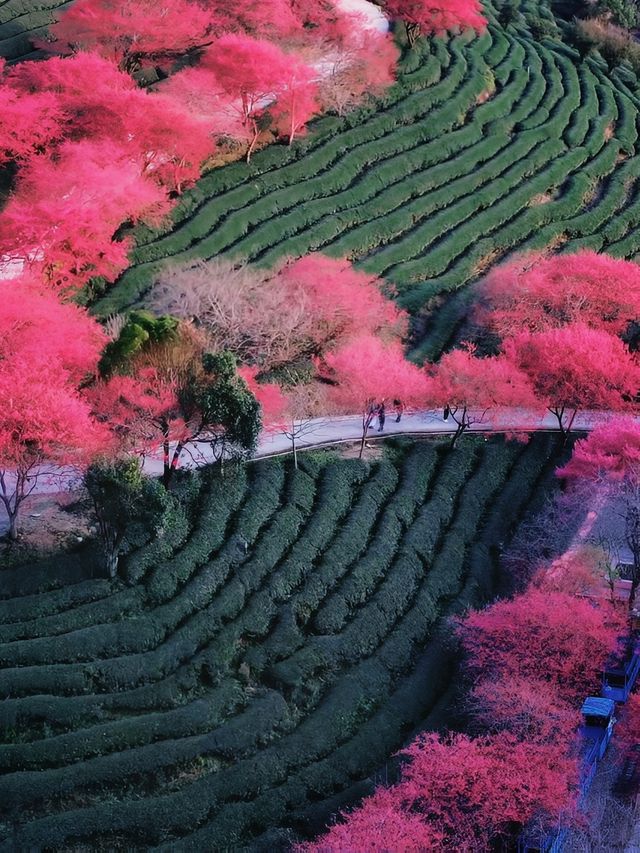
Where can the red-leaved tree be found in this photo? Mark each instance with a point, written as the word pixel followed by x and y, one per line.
pixel 64 214
pixel 47 351
pixel 535 292
pixel 272 20
pixel 31 123
pixel 262 83
pixel 534 636
pixel 365 66
pixel 425 17
pixel 576 367
pixel 365 371
pixel 132 32
pixel 342 301
pixel 448 797
pixel 470 388
pixel 101 103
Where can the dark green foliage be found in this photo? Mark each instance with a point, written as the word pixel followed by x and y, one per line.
pixel 281 652
pixel 229 409
pixel 140 328
pixel 129 507
pixel 622 12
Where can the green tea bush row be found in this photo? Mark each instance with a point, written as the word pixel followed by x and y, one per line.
pixel 356 586
pixel 319 754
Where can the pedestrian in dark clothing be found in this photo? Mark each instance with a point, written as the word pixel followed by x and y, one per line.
pixel 381 417
pixel 372 411
pixel 398 405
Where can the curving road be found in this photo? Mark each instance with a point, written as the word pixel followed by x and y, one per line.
pixel 324 432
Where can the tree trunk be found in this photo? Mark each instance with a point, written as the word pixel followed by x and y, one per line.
pixel 559 414
pixel 111 558
pixel 461 424
pixel 362 441
pixel 295 450
pixel 252 145
pixel 13 503
pixel 13 525
pixel 166 465
pixel 632 535
pixel 461 428
pixel 367 420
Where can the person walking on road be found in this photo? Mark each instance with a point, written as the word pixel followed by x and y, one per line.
pixel 381 416
pixel 398 405
pixel 372 411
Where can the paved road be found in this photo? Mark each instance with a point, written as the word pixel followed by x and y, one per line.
pixel 322 432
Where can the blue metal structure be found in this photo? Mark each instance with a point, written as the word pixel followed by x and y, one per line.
pixel 596 731
pixel 620 674
pixel 542 841
pixel 598 721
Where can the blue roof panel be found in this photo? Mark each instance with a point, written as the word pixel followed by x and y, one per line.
pixel 595 706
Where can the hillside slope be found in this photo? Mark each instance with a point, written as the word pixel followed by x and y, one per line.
pixel 485 146
pixel 255 674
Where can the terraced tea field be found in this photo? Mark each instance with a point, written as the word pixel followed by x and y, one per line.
pixel 254 676
pixel 438 181
pixel 257 671
pixel 23 20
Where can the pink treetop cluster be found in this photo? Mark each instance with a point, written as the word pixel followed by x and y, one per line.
pixel 563 321
pixel 85 185
pixel 47 350
pixel 342 300
pixel 534 636
pixel 531 659
pixel 259 81
pixel 129 31
pixel 538 292
pixel 611 451
pixel 448 797
pixel 436 16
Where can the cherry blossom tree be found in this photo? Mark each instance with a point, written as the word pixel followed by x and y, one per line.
pixel 425 17
pixel 534 637
pixel 268 394
pixel 365 371
pixel 101 103
pixel 531 709
pixel 31 123
pixel 254 74
pixel 469 388
pixel 576 367
pixel 448 798
pixel 342 301
pixel 537 293
pixel 64 214
pixel 628 728
pixel 378 825
pixel 365 66
pixel 273 20
pixel 453 780
pixel 132 32
pixel 326 21
pixel 169 393
pixel 272 319
pixel 47 351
